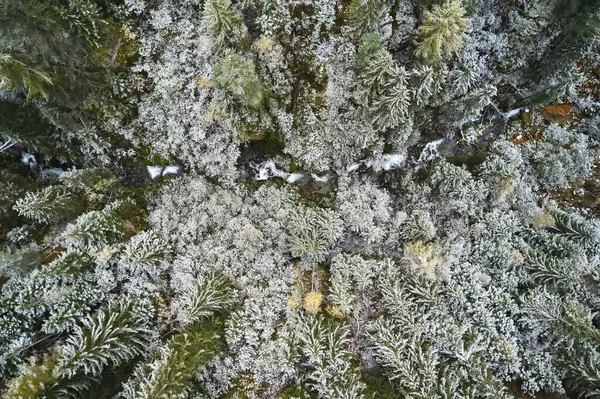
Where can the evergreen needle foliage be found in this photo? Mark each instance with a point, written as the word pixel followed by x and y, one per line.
pixel 203 297
pixel 116 334
pixel 299 199
pixel 168 376
pixel 442 31
pixel 51 204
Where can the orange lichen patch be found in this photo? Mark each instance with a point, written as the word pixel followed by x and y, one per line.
pixel 562 113
pixel 50 254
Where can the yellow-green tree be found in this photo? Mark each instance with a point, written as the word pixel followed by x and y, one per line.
pixel 443 31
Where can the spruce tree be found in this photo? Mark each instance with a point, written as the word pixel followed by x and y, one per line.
pixel 442 31
pixel 579 26
pixel 367 15
pixel 115 334
pixel 236 75
pixel 168 377
pixel 97 228
pixel 53 62
pixel 52 204
pixel 225 23
pixel 202 298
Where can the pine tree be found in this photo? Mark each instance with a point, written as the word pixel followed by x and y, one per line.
pixel 86 179
pixel 578 26
pixel 12 187
pixel 202 298
pixel 384 89
pixel 52 204
pixel 168 376
pixel 544 269
pixel 312 232
pixel 145 250
pixel 423 260
pixel 57 67
pixel 417 227
pixel 575 228
pixel 96 228
pixel 366 15
pixel 50 299
pixel 331 371
pixel 34 380
pixel 583 373
pixel 442 31
pixel 225 22
pixel 115 334
pixel 237 76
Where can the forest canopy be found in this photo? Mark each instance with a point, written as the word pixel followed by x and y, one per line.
pixel 297 199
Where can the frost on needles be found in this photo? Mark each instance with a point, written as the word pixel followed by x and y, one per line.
pixel 299 199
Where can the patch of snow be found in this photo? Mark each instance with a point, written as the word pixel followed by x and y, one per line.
pixel 389 162
pixel 28 159
pixel 430 151
pixel 514 112
pixel 294 177
pixel 354 166
pixel 154 171
pixel 266 170
pixel 55 171
pixel 172 170
pixel 321 179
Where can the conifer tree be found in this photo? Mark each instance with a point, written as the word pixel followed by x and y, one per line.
pixel 34 380
pixel 331 372
pixel 573 227
pixel 58 67
pixel 225 22
pixel 442 31
pixel 237 76
pixel 202 298
pixel 97 227
pixel 145 250
pixel 366 15
pixel 12 187
pixel 52 204
pixel 578 22
pixel 384 90
pixel 115 334
pixel 168 376
pixel 312 232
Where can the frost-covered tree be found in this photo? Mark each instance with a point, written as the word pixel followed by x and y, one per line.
pixel 224 22
pixel 331 372
pixel 145 250
pixel 384 88
pixel 52 204
pixel 115 334
pixel 367 15
pixel 97 228
pixel 370 201
pixel 168 376
pixel 202 298
pixel 312 233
